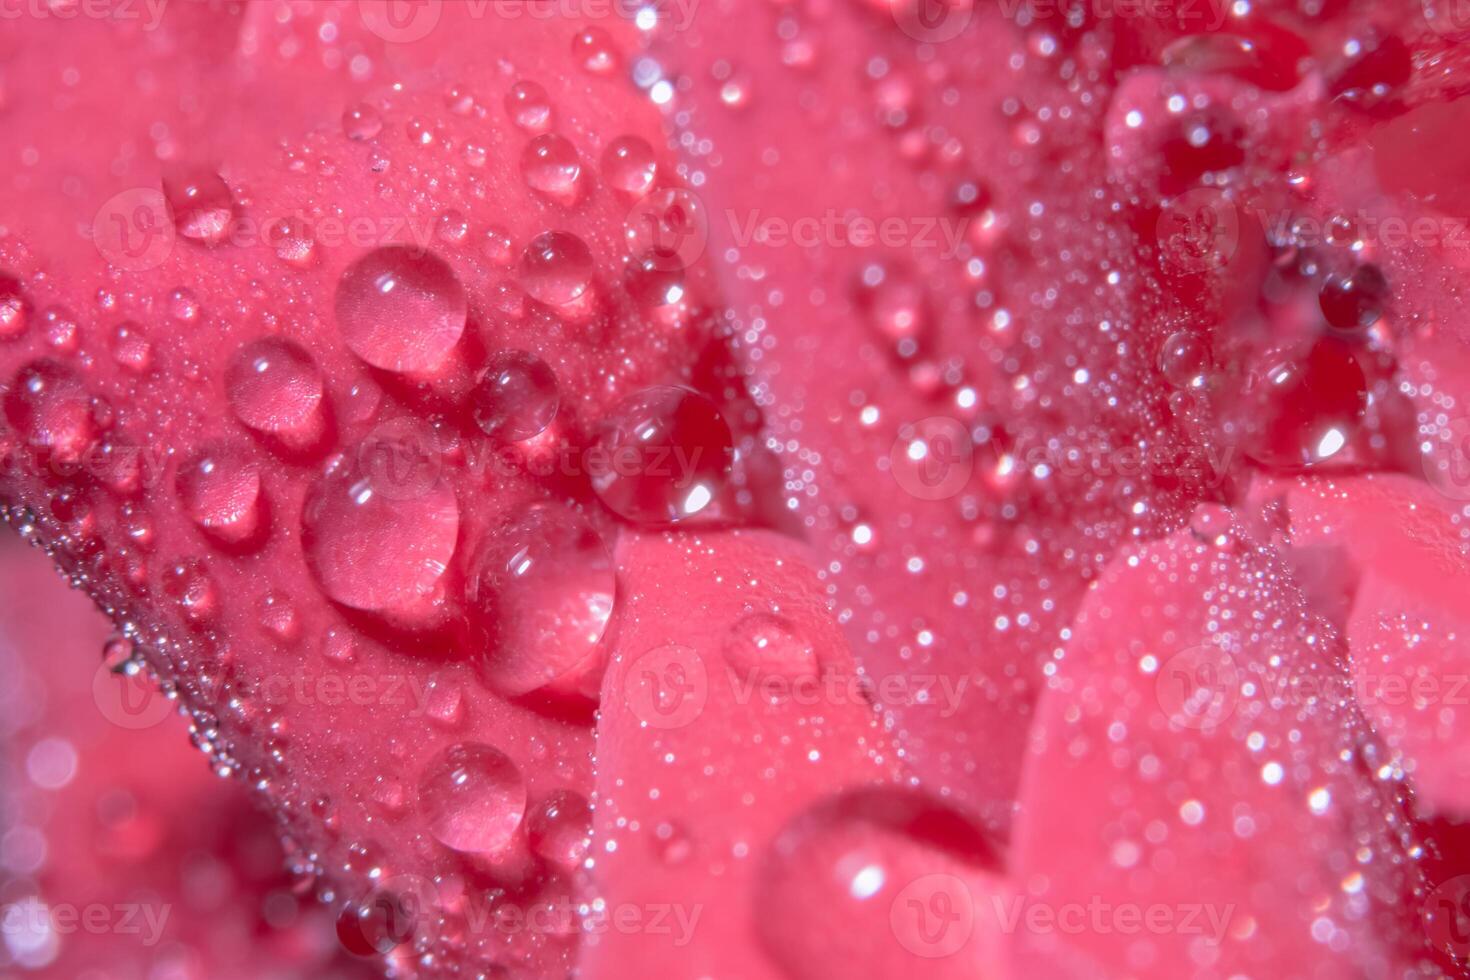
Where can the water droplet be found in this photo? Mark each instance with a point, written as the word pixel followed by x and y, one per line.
pixel 201 205
pixel 121 656
pixel 60 328
pixel 1213 524
pixel 378 543
pixel 48 407
pixel 293 241
pixel 362 122
pixel 1303 406
pixel 459 100
pixel 1184 360
pixel 278 617
pixel 896 867
pixel 658 291
pixel 516 397
pixel 339 646
pixel 452 227
pixel 543 585
pixel 593 48
pixel 1355 300
pixel 629 166
pixel 401 309
pixel 529 107
pixel 496 245
pixel 766 645
pixel 220 489
pixel 474 798
pixel 551 168
pixel 556 268
pixel 560 828
pixel 192 590
pixel 15 309
pixel 130 349
pixel 662 455
pixel 895 304
pixel 275 388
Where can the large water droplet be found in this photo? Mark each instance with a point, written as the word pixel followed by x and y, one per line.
pixel 275 388
pixel 662 455
pixel 401 309
pixel 516 397
pixel 1303 406
pixel 50 409
pixel 556 268
pixel 378 535
pixel 220 489
pixel 474 798
pixel 1356 299
pixel 201 204
pixel 551 168
pixel 543 585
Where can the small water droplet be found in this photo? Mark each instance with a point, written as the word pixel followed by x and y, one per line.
pixel 15 309
pixel 629 166
pixel 766 645
pixel 362 122
pixel 551 168
pixel 593 48
pixel 556 268
pixel 201 204
pixel 516 396
pixel 1355 300
pixel 528 106
pixel 48 407
pixel 560 828
pixel 192 590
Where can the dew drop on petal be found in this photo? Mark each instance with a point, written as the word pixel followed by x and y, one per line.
pixel 401 309
pixel 474 798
